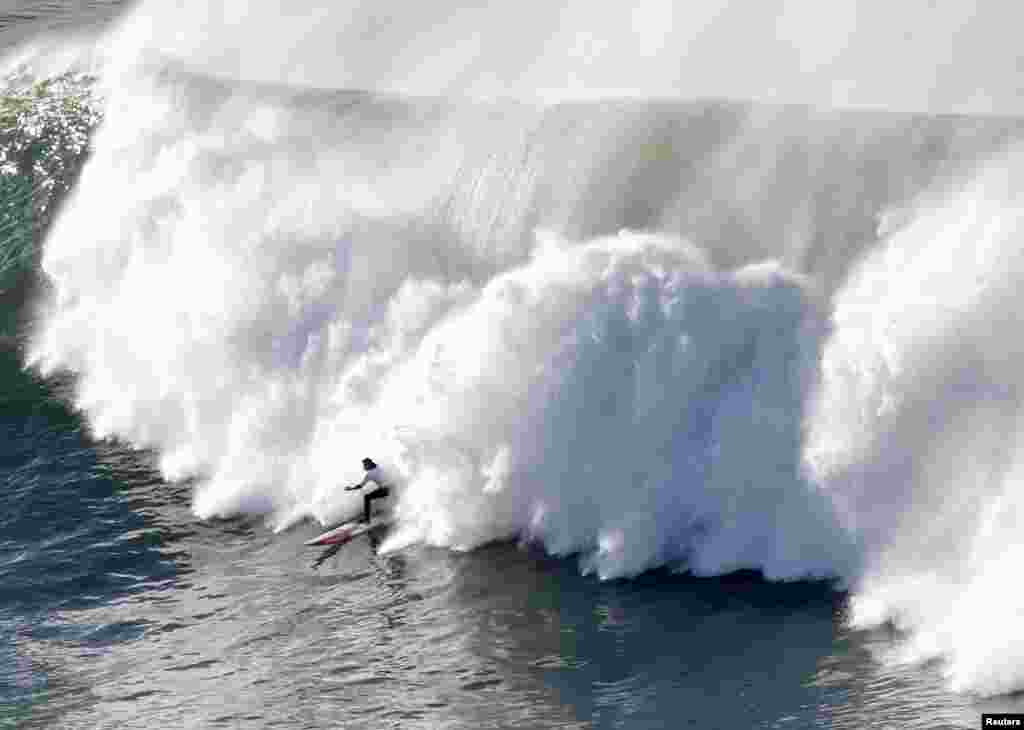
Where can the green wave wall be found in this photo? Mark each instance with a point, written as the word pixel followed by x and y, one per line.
pixel 45 128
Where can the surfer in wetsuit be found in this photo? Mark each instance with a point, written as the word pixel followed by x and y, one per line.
pixel 381 491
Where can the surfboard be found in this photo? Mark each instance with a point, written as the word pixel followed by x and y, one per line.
pixel 350 530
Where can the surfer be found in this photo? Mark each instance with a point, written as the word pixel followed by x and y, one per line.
pixel 373 474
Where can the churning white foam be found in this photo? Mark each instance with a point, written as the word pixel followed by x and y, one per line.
pixel 283 284
pixel 595 398
pixel 917 429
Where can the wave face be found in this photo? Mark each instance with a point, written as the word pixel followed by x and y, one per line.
pixel 715 334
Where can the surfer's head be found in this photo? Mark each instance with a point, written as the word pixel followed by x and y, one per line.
pixel 368 464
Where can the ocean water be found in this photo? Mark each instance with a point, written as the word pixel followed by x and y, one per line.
pixel 699 383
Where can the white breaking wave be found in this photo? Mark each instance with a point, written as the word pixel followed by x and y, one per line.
pixel 595 398
pixel 260 309
pixel 642 334
pixel 918 428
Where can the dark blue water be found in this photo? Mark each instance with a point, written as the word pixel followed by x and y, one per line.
pixel 69 539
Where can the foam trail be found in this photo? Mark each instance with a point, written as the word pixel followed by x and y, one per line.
pixel 918 427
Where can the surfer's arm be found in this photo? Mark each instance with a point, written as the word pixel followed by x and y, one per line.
pixel 358 486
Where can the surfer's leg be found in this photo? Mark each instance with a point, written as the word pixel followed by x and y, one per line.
pixel 379 493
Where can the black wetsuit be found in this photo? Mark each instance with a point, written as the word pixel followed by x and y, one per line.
pixel 378 493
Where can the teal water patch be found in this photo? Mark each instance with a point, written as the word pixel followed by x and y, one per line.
pixel 16 247
pixel 17 250
pixel 45 129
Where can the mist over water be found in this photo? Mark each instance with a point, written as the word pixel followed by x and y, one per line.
pixel 706 334
pixel 916 56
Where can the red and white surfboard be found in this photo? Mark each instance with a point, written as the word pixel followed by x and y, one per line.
pixel 344 533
